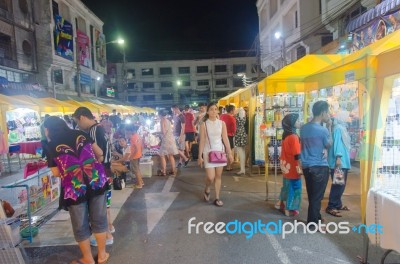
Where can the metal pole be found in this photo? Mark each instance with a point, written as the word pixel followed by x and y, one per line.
pixel 53 80
pixel 284 52
pixel 124 81
pixel 78 69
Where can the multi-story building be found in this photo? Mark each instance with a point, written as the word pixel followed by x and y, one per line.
pixel 17 45
pixel 70 48
pixel 163 83
pixel 312 26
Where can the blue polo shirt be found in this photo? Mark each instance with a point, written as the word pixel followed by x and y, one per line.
pixel 314 139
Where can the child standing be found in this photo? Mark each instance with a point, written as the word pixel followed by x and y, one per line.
pixel 290 197
pixel 136 153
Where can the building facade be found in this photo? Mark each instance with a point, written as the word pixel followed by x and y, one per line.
pixel 70 48
pixel 164 83
pixel 18 60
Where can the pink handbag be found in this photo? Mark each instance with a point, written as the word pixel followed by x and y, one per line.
pixel 215 156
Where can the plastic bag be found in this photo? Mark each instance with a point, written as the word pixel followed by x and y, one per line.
pixel 338 177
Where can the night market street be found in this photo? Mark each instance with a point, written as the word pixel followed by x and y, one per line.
pixel 152 226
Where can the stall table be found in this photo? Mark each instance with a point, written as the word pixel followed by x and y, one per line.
pixel 30 147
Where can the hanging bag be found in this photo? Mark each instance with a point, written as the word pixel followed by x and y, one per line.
pixel 215 156
pixel 338 176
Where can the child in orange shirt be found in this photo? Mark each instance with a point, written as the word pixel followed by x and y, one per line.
pixel 136 154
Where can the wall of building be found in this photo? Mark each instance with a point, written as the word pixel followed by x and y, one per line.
pixel 49 63
pixel 200 80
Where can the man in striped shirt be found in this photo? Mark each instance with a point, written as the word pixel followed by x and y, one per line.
pixel 87 122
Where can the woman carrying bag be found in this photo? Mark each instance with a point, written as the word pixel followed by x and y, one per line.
pixel 339 163
pixel 215 149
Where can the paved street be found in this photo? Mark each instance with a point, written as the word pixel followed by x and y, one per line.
pixel 152 227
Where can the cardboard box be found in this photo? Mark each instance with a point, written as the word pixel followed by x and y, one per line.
pixel 146 169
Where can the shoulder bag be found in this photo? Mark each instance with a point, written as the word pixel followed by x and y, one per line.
pixel 215 156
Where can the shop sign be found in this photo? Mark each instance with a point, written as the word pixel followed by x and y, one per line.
pixel 83 49
pixel 110 92
pixel 349 76
pixel 100 51
pixel 85 79
pixel 375 30
pixel 63 38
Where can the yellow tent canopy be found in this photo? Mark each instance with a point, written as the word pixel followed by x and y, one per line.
pixel 68 108
pixel 11 103
pixel 92 108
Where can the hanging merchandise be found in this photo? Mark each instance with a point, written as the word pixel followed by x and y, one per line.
pixel 259 155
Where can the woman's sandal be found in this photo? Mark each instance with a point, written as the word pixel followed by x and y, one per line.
pixel 161 173
pixel 207 196
pixel 344 208
pixel 333 212
pixel 104 261
pixel 218 203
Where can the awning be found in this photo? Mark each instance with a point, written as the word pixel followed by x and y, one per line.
pixel 44 107
pixel 14 103
pixel 67 108
pixel 289 78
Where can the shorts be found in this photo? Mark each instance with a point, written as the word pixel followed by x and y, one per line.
pixel 189 137
pixel 88 216
pixel 135 166
pixel 180 144
pixel 231 142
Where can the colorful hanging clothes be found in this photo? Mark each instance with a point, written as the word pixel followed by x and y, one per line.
pixel 259 151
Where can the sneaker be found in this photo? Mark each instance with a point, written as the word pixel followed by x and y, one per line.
pixel 112 230
pixel 93 242
pixel 179 165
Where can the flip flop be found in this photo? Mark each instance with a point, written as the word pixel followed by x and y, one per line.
pixel 333 212
pixel 207 196
pixel 344 208
pixel 218 203
pixel 77 261
pixel 104 261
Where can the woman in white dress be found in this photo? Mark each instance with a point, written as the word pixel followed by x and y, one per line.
pixel 168 147
pixel 213 136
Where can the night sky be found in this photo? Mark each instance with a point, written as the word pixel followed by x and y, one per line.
pixel 177 29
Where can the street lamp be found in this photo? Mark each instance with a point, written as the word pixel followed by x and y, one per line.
pixel 278 35
pixel 179 82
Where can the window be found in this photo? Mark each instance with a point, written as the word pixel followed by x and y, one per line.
pixel 132 86
pixel 17 77
pixel 301 52
pixel 326 40
pixel 167 97
pixel 10 76
pixel 148 85
pixel 221 81
pixel 202 69
pixel 130 73
pixel 132 98
pixel 147 72
pixel 3 73
pixel 58 76
pixel 5 46
pixel 186 83
pixel 273 7
pixel 23 5
pixel 149 98
pixel 184 70
pixel 3 5
pixel 239 68
pixel 81 24
pixel 237 82
pixel 220 68
pixel 202 82
pixel 27 48
pixel 166 71
pixel 166 84
pixel 56 12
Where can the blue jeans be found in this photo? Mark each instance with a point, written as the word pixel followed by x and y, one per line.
pixel 335 196
pixel 316 180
